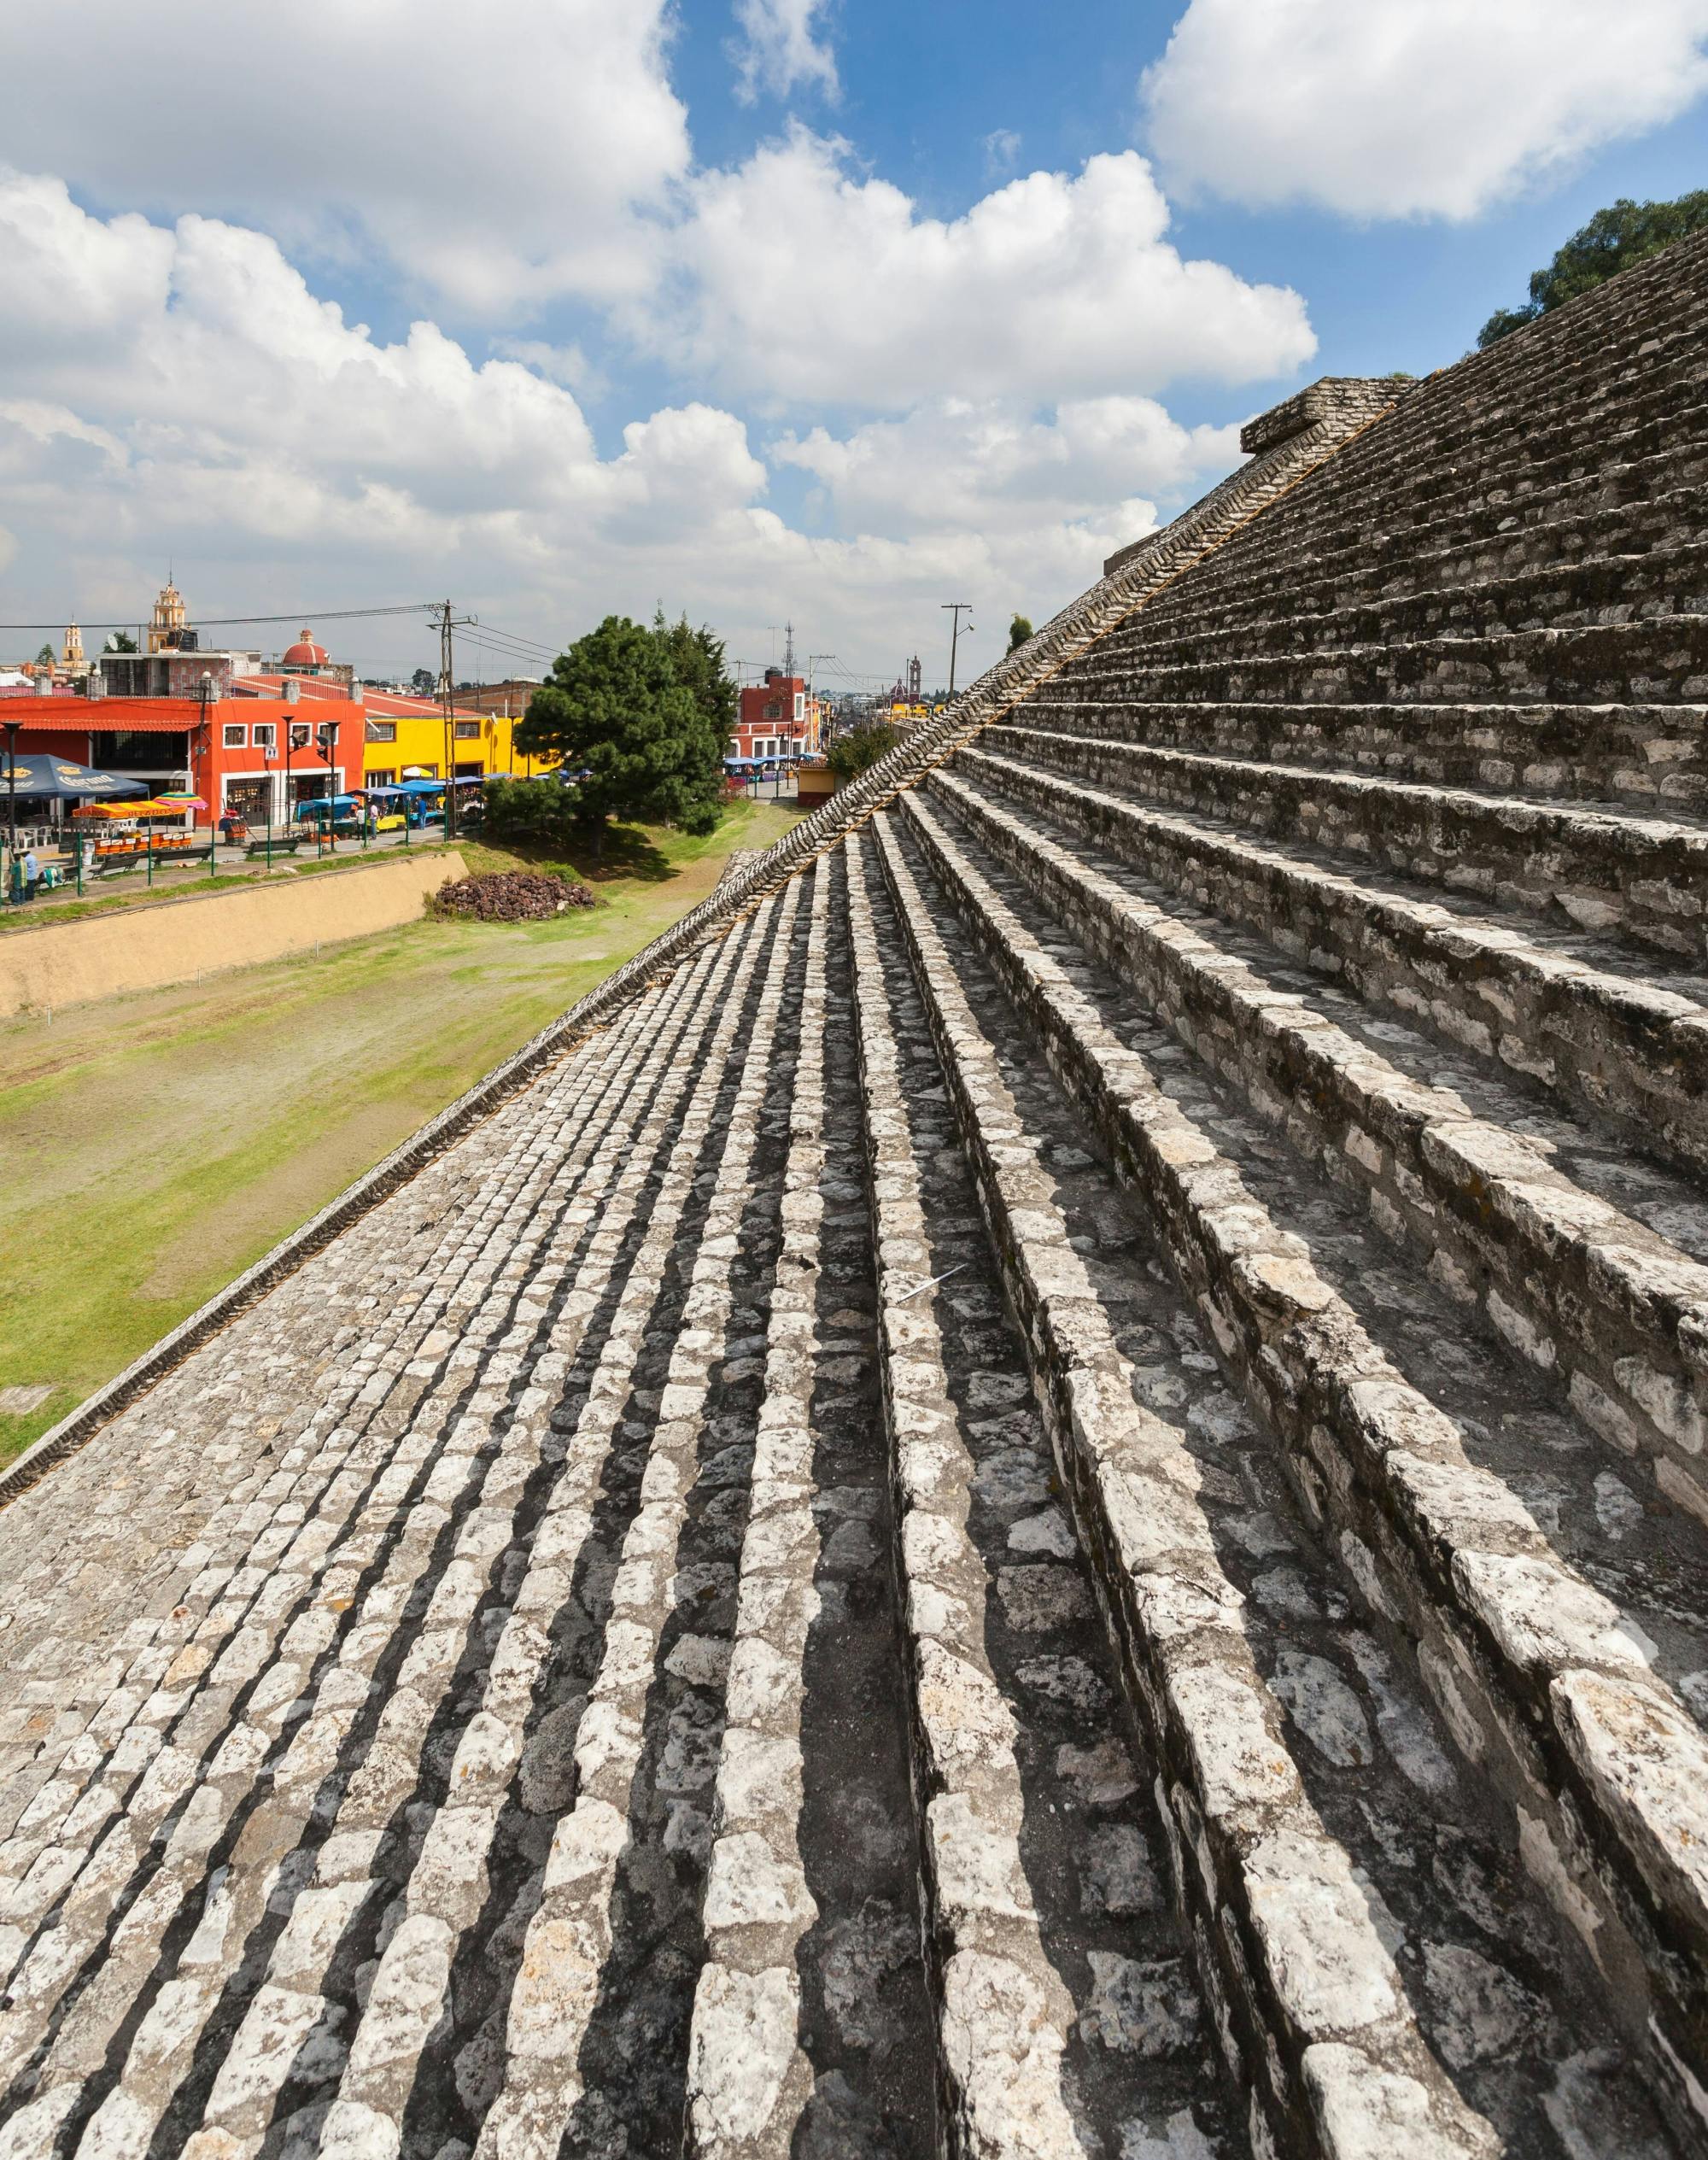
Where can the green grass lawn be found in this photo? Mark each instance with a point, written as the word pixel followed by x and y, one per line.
pixel 162 1142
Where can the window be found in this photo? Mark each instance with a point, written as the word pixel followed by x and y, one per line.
pixel 381 779
pixel 265 735
pixel 735 747
pixel 326 734
pixel 236 734
pixel 800 706
pixel 773 711
pixel 299 735
pixel 382 731
pixel 468 730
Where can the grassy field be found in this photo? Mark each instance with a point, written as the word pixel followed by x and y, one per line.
pixel 160 1143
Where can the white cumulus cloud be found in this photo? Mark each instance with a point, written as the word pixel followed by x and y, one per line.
pixel 796 278
pixel 365 127
pixel 181 389
pixel 1387 108
pixel 1098 464
pixel 780 48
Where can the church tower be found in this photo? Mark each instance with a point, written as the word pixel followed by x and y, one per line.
pixel 167 625
pixel 74 662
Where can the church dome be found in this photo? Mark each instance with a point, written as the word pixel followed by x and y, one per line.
pixel 305 654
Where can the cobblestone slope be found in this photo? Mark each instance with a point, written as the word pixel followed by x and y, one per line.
pixel 1038 1492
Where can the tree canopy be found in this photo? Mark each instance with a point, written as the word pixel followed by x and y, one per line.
pixel 637 713
pixel 696 657
pixel 46 657
pixel 1019 630
pixel 852 754
pixel 1614 238
pixel 119 642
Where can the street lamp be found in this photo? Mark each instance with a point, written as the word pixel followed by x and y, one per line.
pixel 955 610
pixel 12 730
pixel 326 741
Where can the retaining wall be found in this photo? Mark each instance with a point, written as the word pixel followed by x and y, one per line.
pixel 177 940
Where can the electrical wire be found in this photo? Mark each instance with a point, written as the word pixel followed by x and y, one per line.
pixel 228 622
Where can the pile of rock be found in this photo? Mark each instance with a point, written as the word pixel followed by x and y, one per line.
pixel 510 896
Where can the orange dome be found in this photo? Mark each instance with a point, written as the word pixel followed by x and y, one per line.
pixel 305 654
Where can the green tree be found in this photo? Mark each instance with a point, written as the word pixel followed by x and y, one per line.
pixel 1614 238
pixel 615 712
pixel 423 682
pixel 1019 630
pixel 860 749
pixel 696 659
pixel 119 642
pixel 540 809
pixel 46 657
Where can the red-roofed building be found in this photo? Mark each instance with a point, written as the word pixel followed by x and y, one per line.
pixel 258 759
pixel 778 719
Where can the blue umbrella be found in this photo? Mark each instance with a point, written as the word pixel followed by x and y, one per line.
pixel 39 773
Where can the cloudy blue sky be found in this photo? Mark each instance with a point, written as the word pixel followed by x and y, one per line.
pixel 828 310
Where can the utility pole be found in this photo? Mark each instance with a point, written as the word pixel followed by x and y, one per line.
pixel 955 610
pixel 812 661
pixel 446 622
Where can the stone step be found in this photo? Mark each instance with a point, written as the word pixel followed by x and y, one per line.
pixel 1610 1309
pixel 1543 1681
pixel 1390 517
pixel 398 1273
pixel 1069 2020
pixel 1586 1023
pixel 811 2021
pixel 1651 757
pixel 1641 494
pixel 254 1739
pixel 511 1909
pixel 1301 1845
pixel 1617 663
pixel 1564 425
pixel 386 1299
pixel 1612 872
pixel 1661 593
pixel 1663 627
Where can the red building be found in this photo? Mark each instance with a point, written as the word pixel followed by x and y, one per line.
pixel 257 757
pixel 777 719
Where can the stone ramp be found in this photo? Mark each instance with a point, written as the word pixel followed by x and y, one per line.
pixel 1050 1501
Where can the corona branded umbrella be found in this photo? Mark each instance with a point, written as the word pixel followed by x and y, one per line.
pixel 39 774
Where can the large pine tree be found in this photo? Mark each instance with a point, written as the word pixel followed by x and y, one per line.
pixel 616 711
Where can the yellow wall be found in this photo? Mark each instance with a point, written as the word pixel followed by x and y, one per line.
pixel 421 741
pixel 175 940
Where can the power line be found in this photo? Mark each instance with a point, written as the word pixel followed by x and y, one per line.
pixel 228 622
pixel 502 647
pixel 517 637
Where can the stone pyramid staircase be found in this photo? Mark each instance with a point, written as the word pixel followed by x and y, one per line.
pixel 1039 1492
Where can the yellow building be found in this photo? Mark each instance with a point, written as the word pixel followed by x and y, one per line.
pixel 408 738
